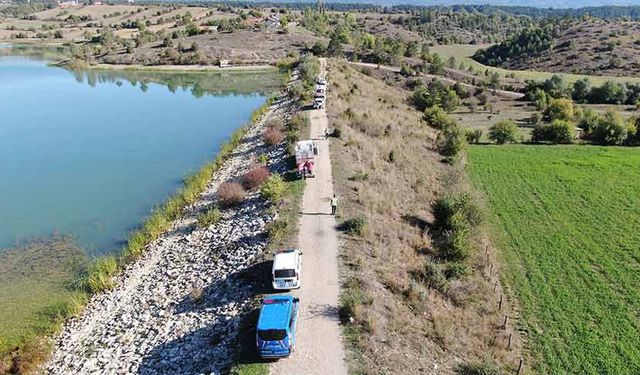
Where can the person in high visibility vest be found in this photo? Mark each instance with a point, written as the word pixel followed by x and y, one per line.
pixel 334 205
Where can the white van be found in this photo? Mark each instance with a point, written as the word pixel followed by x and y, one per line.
pixel 285 273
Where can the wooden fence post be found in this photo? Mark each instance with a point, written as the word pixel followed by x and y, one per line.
pixel 510 337
pixel 520 365
pixel 500 305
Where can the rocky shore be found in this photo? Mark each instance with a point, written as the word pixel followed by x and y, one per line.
pixel 178 309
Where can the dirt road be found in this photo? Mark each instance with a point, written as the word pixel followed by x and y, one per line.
pixel 511 95
pixel 319 348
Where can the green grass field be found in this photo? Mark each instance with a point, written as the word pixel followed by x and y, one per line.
pixel 567 222
pixel 463 52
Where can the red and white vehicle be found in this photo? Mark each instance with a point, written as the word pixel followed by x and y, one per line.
pixel 305 152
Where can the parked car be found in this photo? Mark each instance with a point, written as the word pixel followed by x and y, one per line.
pixel 320 92
pixel 276 330
pixel 285 273
pixel 320 80
pixel 318 103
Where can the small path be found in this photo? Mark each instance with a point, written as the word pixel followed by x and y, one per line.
pixel 512 95
pixel 319 348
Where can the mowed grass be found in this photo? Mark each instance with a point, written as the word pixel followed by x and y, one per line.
pixel 463 53
pixel 567 222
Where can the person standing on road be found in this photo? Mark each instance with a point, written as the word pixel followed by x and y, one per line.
pixel 334 205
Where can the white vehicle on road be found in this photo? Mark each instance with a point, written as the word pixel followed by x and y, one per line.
pixel 285 273
pixel 318 103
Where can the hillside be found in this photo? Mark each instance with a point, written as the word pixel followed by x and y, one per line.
pixel 583 47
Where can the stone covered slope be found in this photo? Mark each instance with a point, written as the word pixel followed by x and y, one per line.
pixel 150 323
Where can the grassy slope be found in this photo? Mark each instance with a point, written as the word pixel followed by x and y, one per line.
pixel 463 52
pixel 401 325
pixel 567 222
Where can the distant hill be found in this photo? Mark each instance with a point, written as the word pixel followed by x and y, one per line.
pixel 577 46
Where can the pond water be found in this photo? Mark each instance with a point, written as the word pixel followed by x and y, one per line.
pixel 89 154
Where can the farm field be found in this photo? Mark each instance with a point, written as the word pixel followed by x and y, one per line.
pixel 463 52
pixel 566 223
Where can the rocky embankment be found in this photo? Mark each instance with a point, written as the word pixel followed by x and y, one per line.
pixel 177 310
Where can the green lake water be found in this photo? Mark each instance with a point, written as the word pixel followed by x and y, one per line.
pixel 89 154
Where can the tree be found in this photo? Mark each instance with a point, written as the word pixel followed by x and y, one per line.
pixel 558 132
pixel 503 132
pixel 609 93
pixel 437 118
pixel 335 46
pixel 319 48
pixel 541 99
pixel 453 140
pixel 610 130
pixel 449 101
pixel 581 90
pixel 560 109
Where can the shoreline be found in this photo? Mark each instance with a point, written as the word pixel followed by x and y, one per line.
pixel 180 68
pixel 167 270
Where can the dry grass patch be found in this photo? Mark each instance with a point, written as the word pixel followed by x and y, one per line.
pixel 387 170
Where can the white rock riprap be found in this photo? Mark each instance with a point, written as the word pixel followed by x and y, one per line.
pixel 149 323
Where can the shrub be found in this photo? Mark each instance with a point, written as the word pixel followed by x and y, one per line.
pixel 560 109
pixel 273 188
pixel 503 132
pixel 255 177
pixel 588 121
pixel 558 132
pixel 354 226
pixel 473 135
pixel 456 270
pixel 610 130
pixel 434 277
pixel 210 217
pixel 230 194
pixel 437 118
pixel 457 240
pixel 272 136
pixel 445 208
pixel 452 141
pixel 277 229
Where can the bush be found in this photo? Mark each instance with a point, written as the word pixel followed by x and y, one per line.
pixel 558 132
pixel 255 177
pixel 588 121
pixel 230 194
pixel 473 135
pixel 456 270
pixel 437 118
pixel 560 109
pixel 445 208
pixel 452 141
pixel 354 226
pixel 434 277
pixel 457 244
pixel 503 132
pixel 272 136
pixel 210 217
pixel 610 130
pixel 273 188
pixel 277 229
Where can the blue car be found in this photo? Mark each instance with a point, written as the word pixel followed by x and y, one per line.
pixel 276 331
